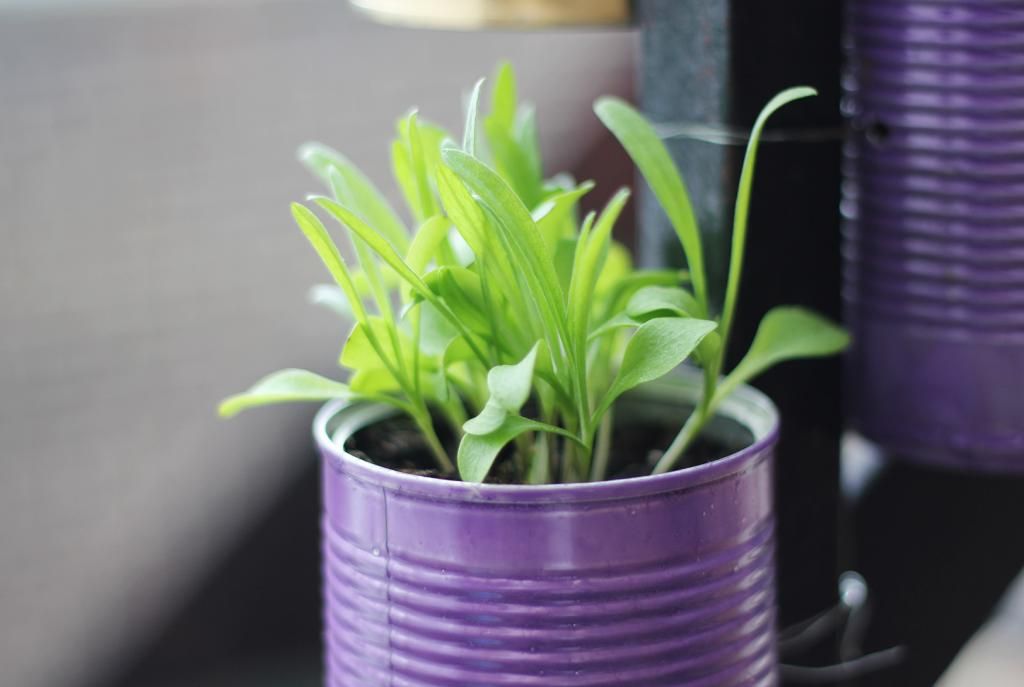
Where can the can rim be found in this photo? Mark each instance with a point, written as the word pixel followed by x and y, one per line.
pixel 746 406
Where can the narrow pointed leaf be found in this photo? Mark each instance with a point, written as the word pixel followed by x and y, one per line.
pixel 651 157
pixel 461 291
pixel 617 267
pixel 504 97
pixel 283 387
pixel 418 186
pixel 525 245
pixel 388 254
pixel 742 209
pixel 359 193
pixel 469 135
pixel 378 243
pixel 529 143
pixel 426 245
pixel 588 266
pixel 459 205
pixel 514 165
pixel 554 215
pixel 325 247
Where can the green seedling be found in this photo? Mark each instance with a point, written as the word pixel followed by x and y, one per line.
pixel 506 316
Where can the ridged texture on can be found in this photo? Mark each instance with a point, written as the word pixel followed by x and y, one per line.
pixel 657 581
pixel 933 206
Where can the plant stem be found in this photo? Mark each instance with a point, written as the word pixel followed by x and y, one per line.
pixel 603 448
pixel 694 424
pixel 710 382
pixel 422 420
pixel 568 462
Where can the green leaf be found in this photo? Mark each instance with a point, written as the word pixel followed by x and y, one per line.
pixel 373 380
pixel 359 351
pixel 282 387
pixel 378 243
pixel 587 267
pixel 554 215
pixel 514 165
pixel 529 143
pixel 510 384
pixel 469 135
pixel 524 244
pixel 401 169
pixel 460 289
pixel 504 98
pixel 742 210
pixel 565 258
pixel 651 157
pixel 617 266
pixel 487 420
pixel 436 332
pixel 509 387
pixel 478 451
pixel 463 211
pixel 413 155
pixel 426 244
pixel 325 247
pixel 664 299
pixel 656 348
pixel 432 138
pixel 629 284
pixel 387 253
pixel 619 321
pixel 357 191
pixel 513 148
pixel 785 333
pixel 709 351
pixel 370 267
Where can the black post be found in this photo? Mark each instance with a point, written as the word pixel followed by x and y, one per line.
pixel 710 67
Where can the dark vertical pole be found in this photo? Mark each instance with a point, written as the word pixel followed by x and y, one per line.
pixel 716 64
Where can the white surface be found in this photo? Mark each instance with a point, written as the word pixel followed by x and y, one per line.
pixel 995 655
pixel 148 266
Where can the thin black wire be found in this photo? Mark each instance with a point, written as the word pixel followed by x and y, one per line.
pixel 729 135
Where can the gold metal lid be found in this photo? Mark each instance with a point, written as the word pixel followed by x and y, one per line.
pixel 477 14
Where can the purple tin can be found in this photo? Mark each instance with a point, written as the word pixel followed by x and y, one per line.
pixel 659 580
pixel 933 207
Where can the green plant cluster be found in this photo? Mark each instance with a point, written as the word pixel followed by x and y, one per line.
pixel 506 316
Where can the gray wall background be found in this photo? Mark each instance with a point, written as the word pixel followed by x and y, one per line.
pixel 148 266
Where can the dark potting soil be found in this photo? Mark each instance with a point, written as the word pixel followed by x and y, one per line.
pixel 397 444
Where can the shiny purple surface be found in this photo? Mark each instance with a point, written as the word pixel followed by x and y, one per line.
pixel 933 206
pixel 663 580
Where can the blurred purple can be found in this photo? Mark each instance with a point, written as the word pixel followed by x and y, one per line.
pixel 933 207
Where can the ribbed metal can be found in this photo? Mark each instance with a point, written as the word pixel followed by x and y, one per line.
pixel 657 580
pixel 933 208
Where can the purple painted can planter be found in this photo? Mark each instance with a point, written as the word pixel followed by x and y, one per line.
pixel 658 580
pixel 934 229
